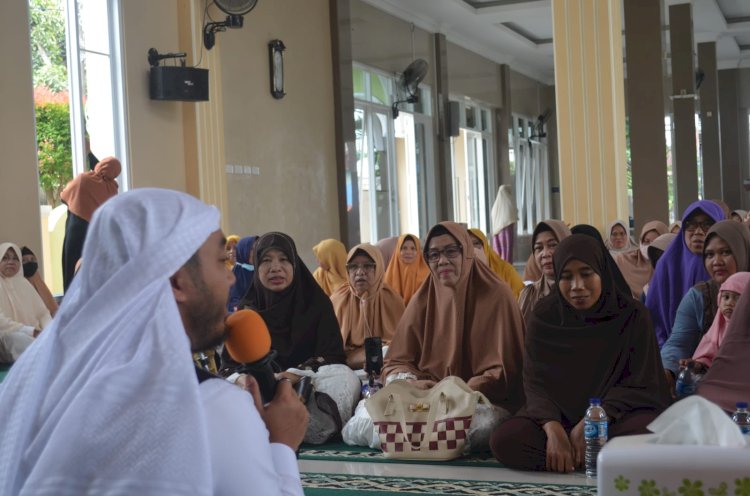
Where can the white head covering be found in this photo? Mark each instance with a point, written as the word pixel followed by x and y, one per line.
pixel 504 212
pixel 629 243
pixel 20 304
pixel 106 399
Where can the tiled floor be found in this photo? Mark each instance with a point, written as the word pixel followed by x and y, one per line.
pixel 442 472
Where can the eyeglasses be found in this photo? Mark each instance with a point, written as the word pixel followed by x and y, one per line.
pixel 366 267
pixel 692 226
pixel 450 251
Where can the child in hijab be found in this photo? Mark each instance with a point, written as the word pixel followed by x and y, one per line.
pixel 729 294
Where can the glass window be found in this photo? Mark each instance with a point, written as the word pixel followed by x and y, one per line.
pixel 360 88
pixel 471 117
pixel 380 88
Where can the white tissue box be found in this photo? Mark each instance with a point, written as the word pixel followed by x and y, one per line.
pixel 631 465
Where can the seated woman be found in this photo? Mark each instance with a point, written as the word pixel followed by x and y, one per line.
pixel 299 315
pixel 618 238
pixel 681 267
pixel 500 267
pixel 365 306
pixel 243 270
pixel 31 273
pixel 463 322
pixel 654 251
pixel 634 264
pixel 729 294
pixel 407 270
pixel 727 250
pixel 547 235
pixel 726 381
pixel 331 273
pixel 586 339
pixel 23 314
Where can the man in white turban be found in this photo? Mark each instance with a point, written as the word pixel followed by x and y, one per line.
pixel 107 399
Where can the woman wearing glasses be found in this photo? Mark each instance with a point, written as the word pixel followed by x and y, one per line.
pixel 681 266
pixel 726 252
pixel 463 321
pixel 366 306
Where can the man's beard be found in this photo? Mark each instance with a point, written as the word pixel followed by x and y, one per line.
pixel 205 320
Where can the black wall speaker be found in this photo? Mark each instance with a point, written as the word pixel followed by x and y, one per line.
pixel 178 83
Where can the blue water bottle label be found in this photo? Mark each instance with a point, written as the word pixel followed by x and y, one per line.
pixel 745 429
pixel 685 389
pixel 594 430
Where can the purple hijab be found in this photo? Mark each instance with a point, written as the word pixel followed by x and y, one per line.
pixel 678 270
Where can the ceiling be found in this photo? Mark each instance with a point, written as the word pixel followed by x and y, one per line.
pixel 519 32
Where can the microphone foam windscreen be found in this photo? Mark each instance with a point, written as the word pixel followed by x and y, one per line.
pixel 249 339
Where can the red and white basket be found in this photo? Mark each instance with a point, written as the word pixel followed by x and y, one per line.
pixel 424 424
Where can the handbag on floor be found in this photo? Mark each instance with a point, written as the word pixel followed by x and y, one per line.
pixel 418 424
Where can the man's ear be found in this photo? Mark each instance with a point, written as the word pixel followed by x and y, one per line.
pixel 181 285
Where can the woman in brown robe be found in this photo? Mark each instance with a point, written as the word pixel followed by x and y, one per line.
pixel 547 235
pixel 586 339
pixel 365 305
pixel 463 321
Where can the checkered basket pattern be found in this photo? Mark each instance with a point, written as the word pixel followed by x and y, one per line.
pixel 447 436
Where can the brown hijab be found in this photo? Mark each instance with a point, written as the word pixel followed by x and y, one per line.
pixel 635 267
pixel 374 314
pixel 534 292
pixel 88 190
pixel 406 278
pixel 473 330
pixel 727 382
pixel 608 351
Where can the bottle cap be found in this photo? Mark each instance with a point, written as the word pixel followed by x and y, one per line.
pixel 595 401
pixel 741 404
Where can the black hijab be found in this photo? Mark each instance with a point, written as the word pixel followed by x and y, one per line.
pixel 619 279
pixel 608 351
pixel 300 318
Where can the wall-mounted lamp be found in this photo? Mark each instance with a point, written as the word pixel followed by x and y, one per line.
pixel 276 62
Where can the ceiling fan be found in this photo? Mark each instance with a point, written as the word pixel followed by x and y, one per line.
pixel 235 10
pixel 409 83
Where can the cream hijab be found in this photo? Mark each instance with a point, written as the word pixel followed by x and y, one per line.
pixel 635 267
pixel 504 211
pixel 20 304
pixel 629 244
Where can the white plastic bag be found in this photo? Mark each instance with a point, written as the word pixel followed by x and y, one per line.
pixel 359 430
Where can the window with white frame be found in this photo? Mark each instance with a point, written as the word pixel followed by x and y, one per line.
pixel 473 165
pixel 529 165
pixel 393 157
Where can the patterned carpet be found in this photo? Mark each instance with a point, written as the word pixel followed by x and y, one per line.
pixel 316 484
pixel 342 452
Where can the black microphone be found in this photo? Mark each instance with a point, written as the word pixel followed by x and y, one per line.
pixel 249 343
pixel 373 355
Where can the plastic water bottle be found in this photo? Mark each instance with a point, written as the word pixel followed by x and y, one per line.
pixel 686 381
pixel 741 417
pixel 595 431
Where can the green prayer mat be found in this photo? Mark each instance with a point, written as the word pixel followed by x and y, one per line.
pixel 316 484
pixel 342 452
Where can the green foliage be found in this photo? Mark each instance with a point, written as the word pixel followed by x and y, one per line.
pixel 54 149
pixel 48 56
